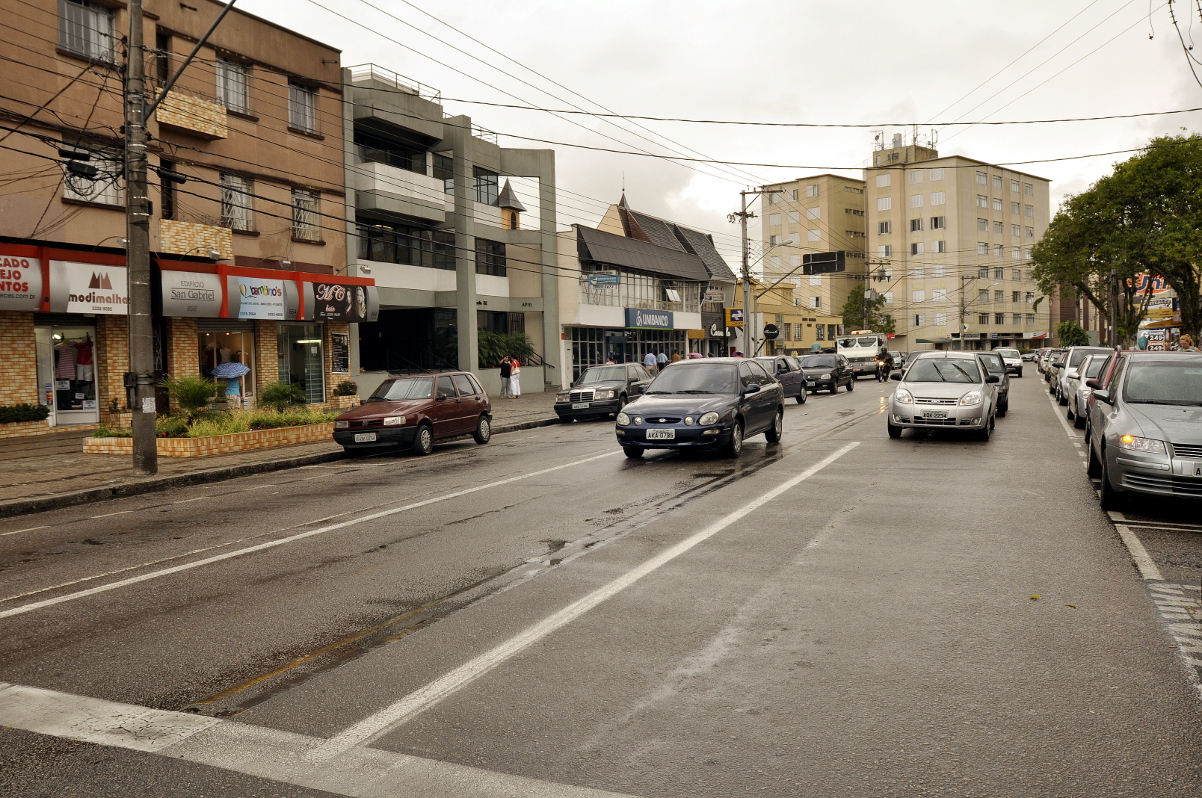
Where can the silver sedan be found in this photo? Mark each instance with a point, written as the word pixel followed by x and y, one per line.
pixel 1078 393
pixel 948 390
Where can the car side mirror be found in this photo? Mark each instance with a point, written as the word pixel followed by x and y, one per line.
pixel 1057 365
pixel 752 388
pixel 1093 384
pixel 640 389
pixel 993 378
pixel 1103 396
pixel 895 376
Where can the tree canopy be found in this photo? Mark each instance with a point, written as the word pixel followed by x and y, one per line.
pixel 853 313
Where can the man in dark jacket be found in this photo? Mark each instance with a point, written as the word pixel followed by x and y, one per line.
pixel 506 372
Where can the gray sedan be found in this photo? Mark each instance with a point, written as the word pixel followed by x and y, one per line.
pixel 946 390
pixel 1145 427
pixel 1078 392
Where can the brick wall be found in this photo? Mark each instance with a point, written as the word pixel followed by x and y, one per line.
pixel 193 113
pixel 183 350
pixel 112 359
pixel 180 237
pixel 18 366
pixel 332 379
pixel 267 354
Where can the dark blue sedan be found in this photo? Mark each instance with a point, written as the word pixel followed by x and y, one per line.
pixel 714 403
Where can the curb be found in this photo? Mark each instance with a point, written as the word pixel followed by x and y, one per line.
pixel 54 501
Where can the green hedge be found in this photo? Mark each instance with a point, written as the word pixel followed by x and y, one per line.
pixel 11 414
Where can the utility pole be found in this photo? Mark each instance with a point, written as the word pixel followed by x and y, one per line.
pixel 964 280
pixel 140 377
pixel 742 216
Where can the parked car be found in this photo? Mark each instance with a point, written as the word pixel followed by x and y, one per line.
pixel 996 365
pixel 1049 368
pixel 1013 361
pixel 944 390
pixel 1030 355
pixel 788 372
pixel 1068 368
pixel 899 359
pixel 602 390
pixel 827 372
pixel 1142 432
pixel 415 411
pixel 1079 392
pixel 715 403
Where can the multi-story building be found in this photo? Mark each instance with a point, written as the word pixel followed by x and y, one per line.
pixel 247 232
pixel 637 284
pixel 821 215
pixel 800 328
pixel 950 240
pixel 435 222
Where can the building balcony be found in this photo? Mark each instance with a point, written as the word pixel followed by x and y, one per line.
pixel 194 115
pixel 399 192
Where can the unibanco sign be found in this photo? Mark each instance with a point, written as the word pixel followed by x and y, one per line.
pixel 643 319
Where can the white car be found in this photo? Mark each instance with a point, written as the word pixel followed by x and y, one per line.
pixel 944 390
pixel 1013 361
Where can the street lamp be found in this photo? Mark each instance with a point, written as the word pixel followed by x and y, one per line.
pixel 212 253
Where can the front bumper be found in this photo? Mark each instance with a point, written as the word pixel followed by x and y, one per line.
pixel 819 385
pixel 386 437
pixel 592 408
pixel 919 416
pixel 686 437
pixel 1155 475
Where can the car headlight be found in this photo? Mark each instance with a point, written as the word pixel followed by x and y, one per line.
pixel 563 397
pixel 971 398
pixel 825 377
pixel 341 424
pixel 638 420
pixel 623 419
pixel 708 419
pixel 1134 443
pixel 394 421
pixel 603 395
pixel 902 396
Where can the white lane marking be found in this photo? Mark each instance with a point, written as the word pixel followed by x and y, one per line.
pixel 1139 554
pixel 19 531
pixel 1180 613
pixel 185 501
pixel 107 515
pixel 410 706
pixel 1072 433
pixel 260 752
pixel 37 605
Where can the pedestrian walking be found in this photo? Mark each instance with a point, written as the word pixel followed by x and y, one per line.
pixel 675 357
pixel 650 362
pixel 506 373
pixel 661 360
pixel 515 382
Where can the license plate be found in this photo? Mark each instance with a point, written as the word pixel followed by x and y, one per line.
pixel 364 437
pixel 1198 469
pixel 661 434
pixel 580 405
pixel 934 414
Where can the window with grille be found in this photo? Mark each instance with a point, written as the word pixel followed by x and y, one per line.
pixel 233 86
pixel 305 225
pixel 236 205
pixel 302 108
pixel 999 250
pixel 999 296
pixel 997 182
pixel 983 273
pixel 86 29
pixel 1014 186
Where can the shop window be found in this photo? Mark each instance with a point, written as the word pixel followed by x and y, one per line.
pixel 301 360
pixel 218 348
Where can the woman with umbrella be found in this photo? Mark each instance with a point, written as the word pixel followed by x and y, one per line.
pixel 232 373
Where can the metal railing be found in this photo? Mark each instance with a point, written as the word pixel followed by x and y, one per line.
pixel 365 72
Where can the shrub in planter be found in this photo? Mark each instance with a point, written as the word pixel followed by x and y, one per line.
pixel 346 388
pixel 280 395
pixel 192 394
pixel 170 427
pixel 11 414
pixel 112 432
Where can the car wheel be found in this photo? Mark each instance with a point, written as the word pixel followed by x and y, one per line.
pixel 734 447
pixel 774 432
pixel 423 441
pixel 1001 411
pixel 983 433
pixel 1093 466
pixel 483 430
pixel 1079 421
pixel 633 452
pixel 894 430
pixel 1020 373
pixel 1061 398
pixel 565 419
pixel 801 397
pixel 1111 499
pixel 851 386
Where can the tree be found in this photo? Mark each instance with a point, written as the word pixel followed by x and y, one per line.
pixel 1070 333
pixel 853 313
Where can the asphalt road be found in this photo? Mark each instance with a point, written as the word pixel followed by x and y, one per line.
pixel 839 614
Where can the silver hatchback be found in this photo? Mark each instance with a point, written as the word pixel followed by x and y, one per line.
pixel 947 390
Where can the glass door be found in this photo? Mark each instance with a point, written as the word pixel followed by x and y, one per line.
pixel 302 359
pixel 66 367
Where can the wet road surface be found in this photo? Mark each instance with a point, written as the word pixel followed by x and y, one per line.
pixel 839 614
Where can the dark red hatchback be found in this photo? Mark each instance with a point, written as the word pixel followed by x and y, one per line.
pixel 415 411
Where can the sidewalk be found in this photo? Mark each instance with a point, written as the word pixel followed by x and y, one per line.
pixel 44 472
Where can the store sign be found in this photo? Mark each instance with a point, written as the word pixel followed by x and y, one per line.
pixel 88 288
pixel 262 298
pixel 192 294
pixel 20 283
pixel 603 279
pixel 1146 283
pixel 338 302
pixel 340 353
pixel 714 296
pixel 971 336
pixel 640 319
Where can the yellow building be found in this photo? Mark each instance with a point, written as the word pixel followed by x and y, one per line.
pixel 800 327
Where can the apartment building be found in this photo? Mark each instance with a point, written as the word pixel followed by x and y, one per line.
pixel 246 235
pixel 436 223
pixel 801 330
pixel 824 218
pixel 950 239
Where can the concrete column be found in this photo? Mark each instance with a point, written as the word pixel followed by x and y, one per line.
pixel 458 135
pixel 553 378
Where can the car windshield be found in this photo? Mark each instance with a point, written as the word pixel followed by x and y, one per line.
pixel 1011 353
pixel 400 390
pixel 818 362
pixel 994 363
pixel 1094 367
pixel 1079 355
pixel 602 374
pixel 696 379
pixel 1164 383
pixel 932 369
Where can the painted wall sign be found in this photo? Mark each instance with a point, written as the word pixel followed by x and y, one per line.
pixel 640 319
pixel 262 298
pixel 20 283
pixel 339 302
pixel 340 353
pixel 88 288
pixel 192 294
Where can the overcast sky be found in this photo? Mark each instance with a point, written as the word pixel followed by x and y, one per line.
pixel 778 61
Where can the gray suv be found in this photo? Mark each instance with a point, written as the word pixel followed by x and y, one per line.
pixel 1144 431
